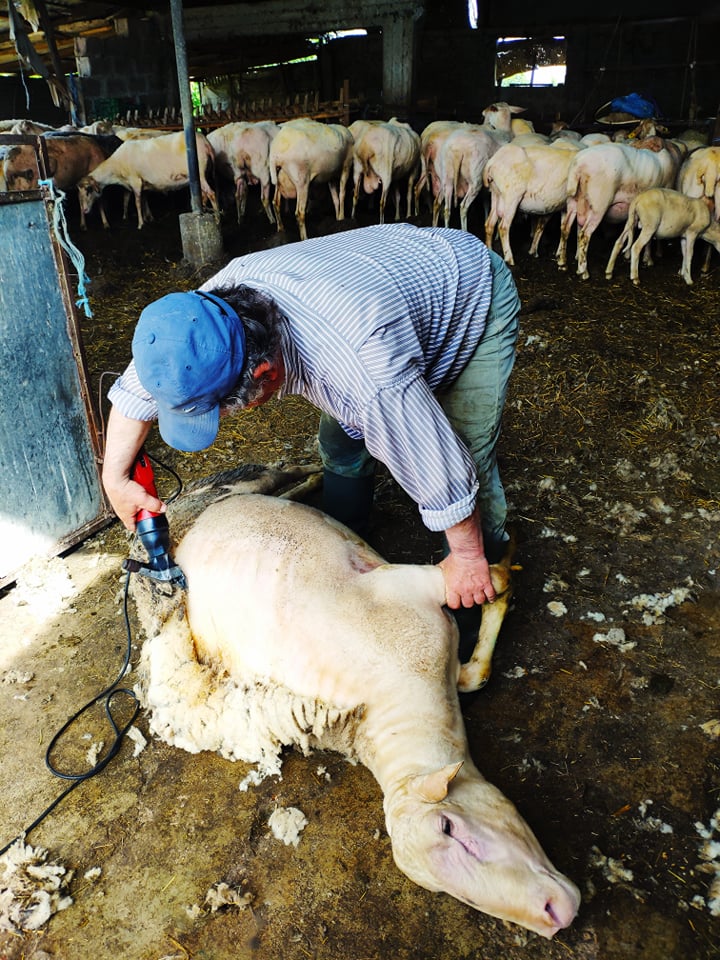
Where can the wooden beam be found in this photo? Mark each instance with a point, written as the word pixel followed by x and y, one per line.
pixel 303 17
pixel 64 43
pixel 57 76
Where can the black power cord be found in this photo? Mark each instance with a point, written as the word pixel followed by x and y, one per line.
pixel 108 695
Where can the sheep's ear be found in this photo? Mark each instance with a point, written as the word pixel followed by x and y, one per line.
pixel 433 787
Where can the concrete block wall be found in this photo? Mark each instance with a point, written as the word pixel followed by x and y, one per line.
pixel 135 69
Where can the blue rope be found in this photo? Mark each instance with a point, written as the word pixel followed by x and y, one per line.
pixel 61 232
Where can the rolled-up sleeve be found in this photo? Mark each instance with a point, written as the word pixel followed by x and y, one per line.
pixel 406 428
pixel 129 396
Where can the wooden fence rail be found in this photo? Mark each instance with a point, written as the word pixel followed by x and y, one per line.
pixel 302 105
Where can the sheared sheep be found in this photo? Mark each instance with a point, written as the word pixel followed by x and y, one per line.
pixel 294 631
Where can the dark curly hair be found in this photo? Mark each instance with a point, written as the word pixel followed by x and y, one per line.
pixel 262 319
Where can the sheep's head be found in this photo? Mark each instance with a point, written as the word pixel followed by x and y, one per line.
pixel 452 831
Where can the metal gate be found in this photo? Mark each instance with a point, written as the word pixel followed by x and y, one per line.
pixel 51 496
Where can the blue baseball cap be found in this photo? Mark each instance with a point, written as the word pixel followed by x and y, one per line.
pixel 189 352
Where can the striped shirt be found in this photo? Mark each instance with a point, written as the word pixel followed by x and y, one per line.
pixel 378 321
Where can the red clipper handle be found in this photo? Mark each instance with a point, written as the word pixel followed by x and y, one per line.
pixel 142 473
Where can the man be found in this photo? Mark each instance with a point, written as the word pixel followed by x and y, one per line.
pixel 403 337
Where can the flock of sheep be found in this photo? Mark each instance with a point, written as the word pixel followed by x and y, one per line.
pixel 669 188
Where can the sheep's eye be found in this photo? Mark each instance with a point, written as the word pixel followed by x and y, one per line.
pixel 446 825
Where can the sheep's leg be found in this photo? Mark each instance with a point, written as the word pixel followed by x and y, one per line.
pixel 410 195
pixel 465 206
pixel 583 244
pixel 447 203
pixel 437 206
pixel 475 673
pixel 504 227
pixel 541 221
pixel 265 198
pixel 422 182
pixel 277 198
pixel 208 196
pixel 303 190
pixel 137 193
pixel 396 192
pixel 335 199
pixel 643 239
pixel 241 198
pixel 706 263
pixel 687 243
pixel 356 192
pixel 103 215
pixel 344 178
pixel 491 221
pixel 566 224
pixel 624 237
pixel 383 200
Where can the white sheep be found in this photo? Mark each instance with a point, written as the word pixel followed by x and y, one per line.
pixel 602 182
pixel 699 176
pixel 307 151
pixel 243 149
pixel 294 631
pixel 461 156
pixel 531 180
pixel 665 214
pixel 157 163
pixel 383 155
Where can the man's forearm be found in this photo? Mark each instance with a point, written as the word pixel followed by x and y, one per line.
pixel 465 538
pixel 123 440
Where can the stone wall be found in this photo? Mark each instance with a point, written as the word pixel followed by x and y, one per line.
pixel 133 70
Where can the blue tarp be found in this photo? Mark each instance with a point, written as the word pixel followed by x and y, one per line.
pixel 636 105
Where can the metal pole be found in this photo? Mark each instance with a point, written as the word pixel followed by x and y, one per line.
pixel 186 105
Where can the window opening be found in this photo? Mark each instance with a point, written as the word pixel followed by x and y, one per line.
pixel 530 61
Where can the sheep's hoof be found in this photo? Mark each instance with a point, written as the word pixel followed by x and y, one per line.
pixel 472 677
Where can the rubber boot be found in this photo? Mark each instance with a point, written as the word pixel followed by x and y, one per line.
pixel 494 549
pixel 349 500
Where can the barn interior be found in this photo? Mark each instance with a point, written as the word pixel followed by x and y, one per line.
pixel 600 721
pixel 421 61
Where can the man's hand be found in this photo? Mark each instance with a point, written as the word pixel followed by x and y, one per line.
pixel 467 581
pixel 466 571
pixel 128 498
pixel 124 439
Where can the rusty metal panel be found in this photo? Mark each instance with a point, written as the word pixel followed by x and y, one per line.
pixel 51 496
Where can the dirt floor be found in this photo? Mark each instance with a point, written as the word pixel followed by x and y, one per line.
pixel 600 722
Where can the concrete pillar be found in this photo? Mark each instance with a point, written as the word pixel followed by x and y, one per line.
pixel 398 33
pixel 201 238
pixel 200 232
